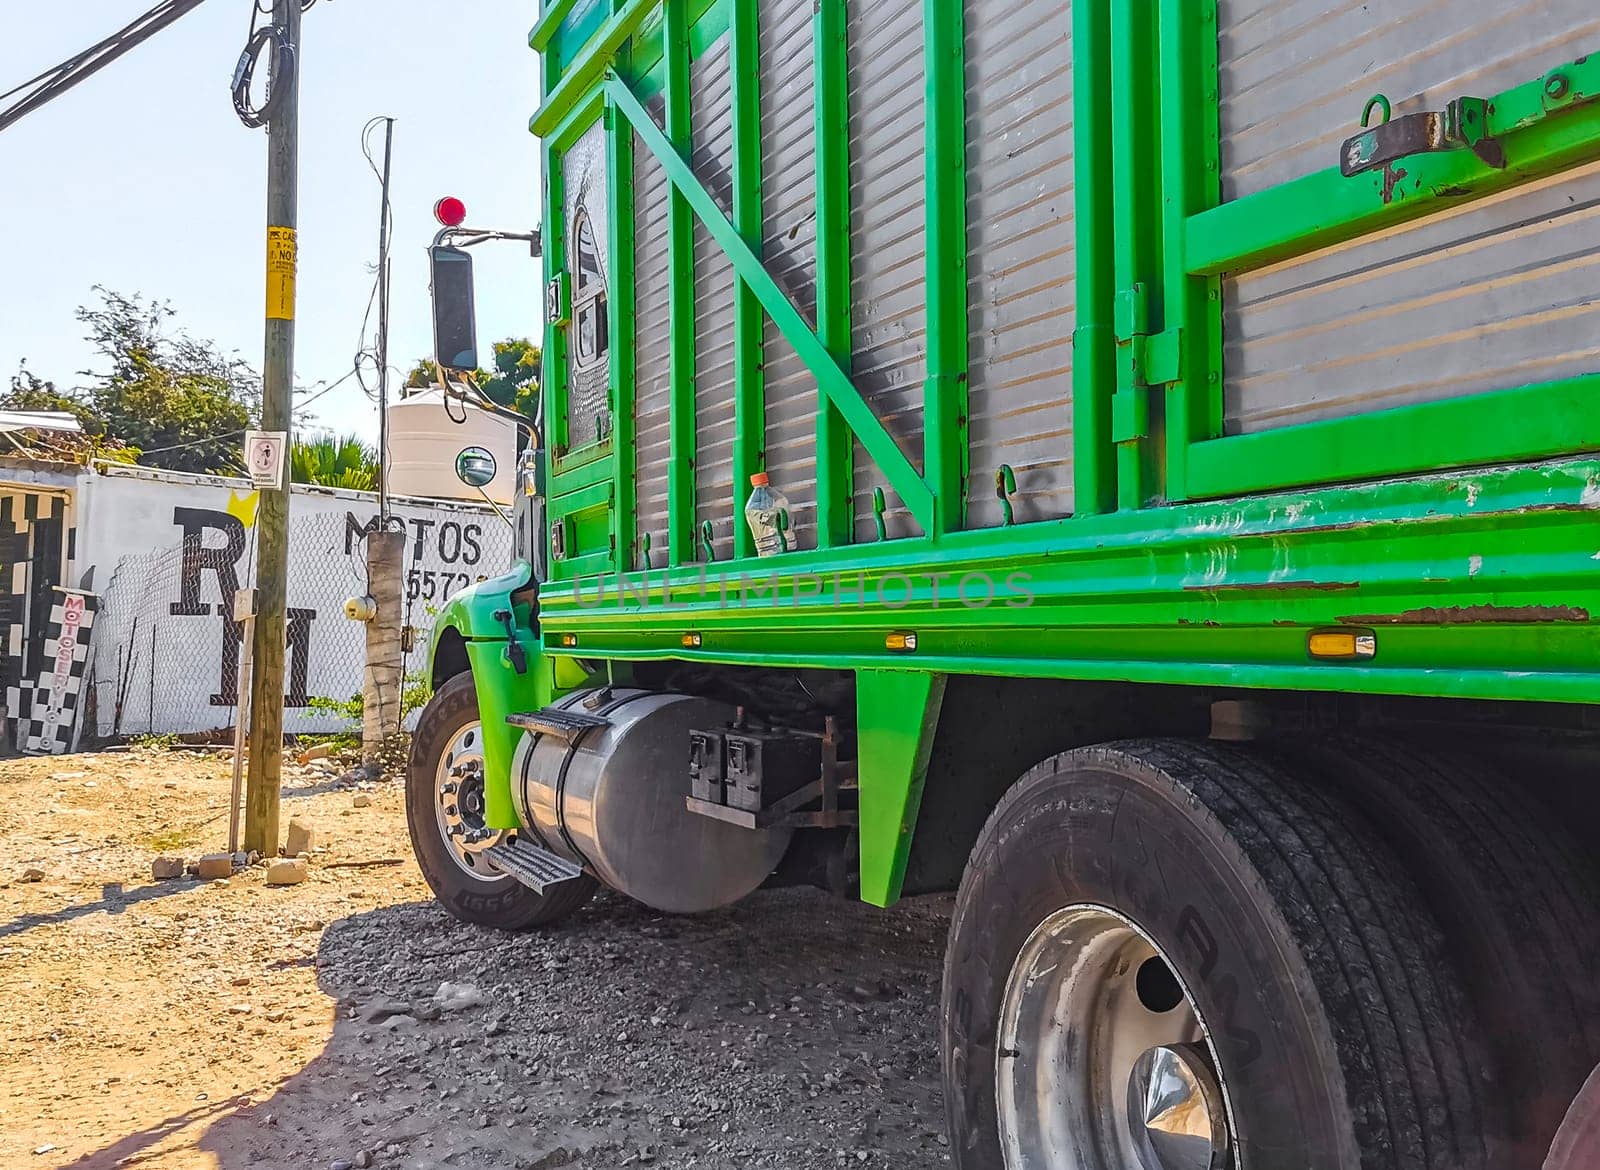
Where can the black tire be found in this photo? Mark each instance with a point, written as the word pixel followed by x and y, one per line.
pixel 1516 901
pixel 505 902
pixel 1343 1037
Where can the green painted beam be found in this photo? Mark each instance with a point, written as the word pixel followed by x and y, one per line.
pixel 682 441
pixel 1477 583
pixel 501 692
pixel 1134 245
pixel 831 95
pixel 1529 422
pixel 590 68
pixel 945 444
pixel 549 21
pixel 749 358
pixel 1325 208
pixel 554 247
pixel 897 712
pixel 833 380
pixel 1094 347
pixel 1190 183
pixel 622 305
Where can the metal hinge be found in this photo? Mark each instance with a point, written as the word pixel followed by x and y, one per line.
pixel 1463 123
pixel 1151 360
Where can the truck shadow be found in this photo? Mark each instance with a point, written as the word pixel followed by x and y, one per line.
pixel 790 1030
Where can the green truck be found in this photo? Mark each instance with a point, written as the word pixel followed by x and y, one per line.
pixel 1134 463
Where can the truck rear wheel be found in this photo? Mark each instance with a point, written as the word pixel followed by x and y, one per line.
pixel 1516 900
pixel 444 812
pixel 1169 955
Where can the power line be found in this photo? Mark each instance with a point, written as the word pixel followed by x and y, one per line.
pixel 52 83
pixel 57 80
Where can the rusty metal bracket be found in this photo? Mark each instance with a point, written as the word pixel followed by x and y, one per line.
pixel 1463 124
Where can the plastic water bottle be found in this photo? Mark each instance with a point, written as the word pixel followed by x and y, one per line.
pixel 767 513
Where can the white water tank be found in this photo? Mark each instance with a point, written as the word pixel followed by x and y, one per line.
pixel 424 443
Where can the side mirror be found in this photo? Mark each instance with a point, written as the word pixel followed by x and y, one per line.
pixel 476 467
pixel 455 328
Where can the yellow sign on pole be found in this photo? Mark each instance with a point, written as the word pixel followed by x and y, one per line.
pixel 281 264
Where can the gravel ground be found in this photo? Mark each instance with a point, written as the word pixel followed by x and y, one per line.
pixel 191 1024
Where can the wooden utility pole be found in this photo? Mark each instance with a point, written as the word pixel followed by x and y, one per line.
pixel 272 572
pixel 386 660
pixel 385 675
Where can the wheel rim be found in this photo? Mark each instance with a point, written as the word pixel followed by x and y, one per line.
pixel 1102 1061
pixel 459 805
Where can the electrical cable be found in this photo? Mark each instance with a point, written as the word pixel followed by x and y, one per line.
pixel 329 388
pixel 281 70
pixel 53 82
pixel 282 64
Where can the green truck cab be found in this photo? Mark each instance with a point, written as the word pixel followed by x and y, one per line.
pixel 1190 552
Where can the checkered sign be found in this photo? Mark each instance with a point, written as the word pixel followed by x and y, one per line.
pixel 52 716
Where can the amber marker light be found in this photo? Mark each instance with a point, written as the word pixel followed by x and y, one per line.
pixel 1342 645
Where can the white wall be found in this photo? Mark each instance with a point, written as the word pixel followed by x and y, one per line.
pixel 165 552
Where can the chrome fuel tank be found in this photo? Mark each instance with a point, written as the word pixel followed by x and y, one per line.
pixel 611 797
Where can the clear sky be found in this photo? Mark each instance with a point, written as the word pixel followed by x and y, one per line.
pixel 143 180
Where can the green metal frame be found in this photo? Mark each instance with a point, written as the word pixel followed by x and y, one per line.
pixel 834 382
pixel 947 453
pixel 1475 583
pixel 680 246
pixel 1545 126
pixel 897 712
pixel 835 451
pixel 749 341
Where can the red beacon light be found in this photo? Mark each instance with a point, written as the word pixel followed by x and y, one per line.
pixel 450 211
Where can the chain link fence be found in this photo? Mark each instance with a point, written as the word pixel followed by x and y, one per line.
pixel 166 657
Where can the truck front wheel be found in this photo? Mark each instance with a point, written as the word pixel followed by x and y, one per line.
pixel 1167 955
pixel 444 812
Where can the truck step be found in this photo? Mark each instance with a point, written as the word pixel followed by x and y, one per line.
pixel 562 724
pixel 533 866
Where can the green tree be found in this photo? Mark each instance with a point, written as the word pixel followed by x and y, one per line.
pixel 180 401
pixel 342 461
pixel 30 392
pixel 513 383
pixel 163 401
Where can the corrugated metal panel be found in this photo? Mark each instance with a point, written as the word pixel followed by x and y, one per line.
pixel 789 249
pixel 583 170
pixel 887 245
pixel 1502 293
pixel 1021 254
pixel 711 116
pixel 1498 293
pixel 1295 73
pixel 652 333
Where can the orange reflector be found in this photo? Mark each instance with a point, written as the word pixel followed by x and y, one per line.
pixel 901 641
pixel 569 639
pixel 1346 645
pixel 691 641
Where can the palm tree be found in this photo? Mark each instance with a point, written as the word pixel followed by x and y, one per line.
pixel 341 461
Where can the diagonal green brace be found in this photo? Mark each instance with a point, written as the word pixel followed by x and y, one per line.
pixel 897 712
pixel 833 380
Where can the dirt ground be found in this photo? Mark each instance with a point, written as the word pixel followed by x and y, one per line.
pixel 186 1024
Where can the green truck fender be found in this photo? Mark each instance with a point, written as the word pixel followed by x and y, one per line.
pixel 471 633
